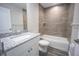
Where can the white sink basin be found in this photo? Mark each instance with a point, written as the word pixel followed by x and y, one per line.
pixel 24 37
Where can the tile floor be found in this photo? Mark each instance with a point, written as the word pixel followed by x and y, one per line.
pixel 56 52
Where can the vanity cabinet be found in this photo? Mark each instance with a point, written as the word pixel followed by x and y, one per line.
pixel 28 48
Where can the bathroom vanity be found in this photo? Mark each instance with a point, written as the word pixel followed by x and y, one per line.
pixel 12 43
pixel 25 44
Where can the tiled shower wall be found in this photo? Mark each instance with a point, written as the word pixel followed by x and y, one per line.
pixel 56 20
pixel 41 20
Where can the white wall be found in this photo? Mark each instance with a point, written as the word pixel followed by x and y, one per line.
pixel 33 17
pixel 75 28
pixel 76 13
pixel 16 17
pixel 75 24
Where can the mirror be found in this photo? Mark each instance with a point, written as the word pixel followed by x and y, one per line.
pixel 13 17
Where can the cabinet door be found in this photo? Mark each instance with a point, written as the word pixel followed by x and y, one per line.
pixel 19 50
pixel 5 20
pixel 34 47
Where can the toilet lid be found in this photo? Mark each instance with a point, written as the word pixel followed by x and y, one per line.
pixel 44 42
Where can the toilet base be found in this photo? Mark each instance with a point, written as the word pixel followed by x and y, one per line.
pixel 42 53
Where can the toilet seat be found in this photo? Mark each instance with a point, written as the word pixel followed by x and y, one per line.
pixel 44 42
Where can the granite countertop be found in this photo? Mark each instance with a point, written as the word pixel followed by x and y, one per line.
pixel 13 41
pixel 3 35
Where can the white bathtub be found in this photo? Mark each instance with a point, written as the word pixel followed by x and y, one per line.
pixel 57 42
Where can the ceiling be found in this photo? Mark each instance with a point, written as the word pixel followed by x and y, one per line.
pixel 18 5
pixel 23 5
pixel 46 5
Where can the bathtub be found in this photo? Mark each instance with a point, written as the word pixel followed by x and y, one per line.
pixel 60 43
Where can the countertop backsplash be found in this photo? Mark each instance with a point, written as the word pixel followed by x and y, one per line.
pixel 2 35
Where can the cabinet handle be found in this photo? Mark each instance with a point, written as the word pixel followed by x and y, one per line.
pixel 28 50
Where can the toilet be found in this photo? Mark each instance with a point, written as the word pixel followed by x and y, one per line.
pixel 43 45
